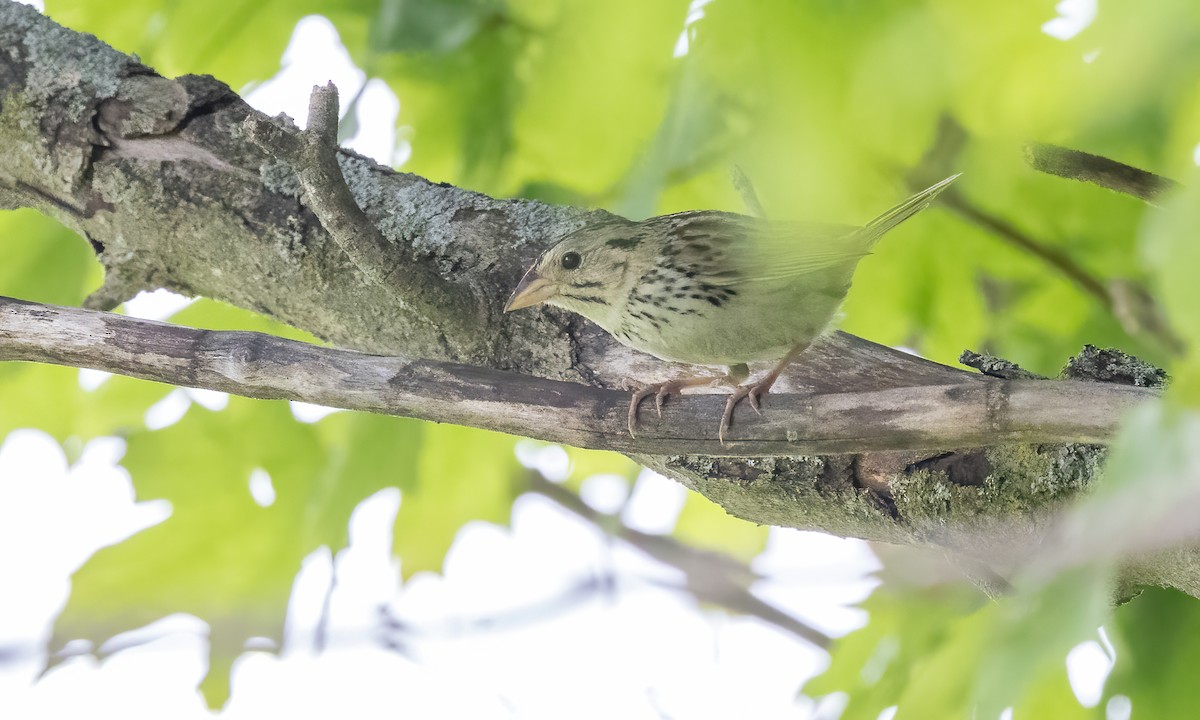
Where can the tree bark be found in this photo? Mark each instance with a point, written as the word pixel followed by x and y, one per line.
pixel 164 180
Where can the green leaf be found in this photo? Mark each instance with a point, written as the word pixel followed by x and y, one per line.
pixel 428 26
pixel 904 643
pixel 1157 653
pixel 460 90
pixel 595 91
pixel 209 314
pixel 1032 634
pixel 462 474
pixel 42 261
pixel 1051 696
pixel 237 41
pixel 586 463
pixel 220 556
pixel 704 524
pixel 1169 248
pixel 49 398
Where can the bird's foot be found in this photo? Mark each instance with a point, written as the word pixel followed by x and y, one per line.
pixel 660 392
pixel 753 391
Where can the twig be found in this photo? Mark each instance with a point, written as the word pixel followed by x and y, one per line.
pixel 1098 170
pixel 1130 305
pixel 712 577
pixel 745 188
pixel 1051 255
pixel 968 411
pixel 313 155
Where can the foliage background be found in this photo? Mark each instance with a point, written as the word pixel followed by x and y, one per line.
pixel 641 108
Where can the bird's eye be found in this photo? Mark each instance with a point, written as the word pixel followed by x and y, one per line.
pixel 571 260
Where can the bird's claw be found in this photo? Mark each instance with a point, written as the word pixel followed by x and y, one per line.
pixel 661 392
pixel 635 401
pixel 753 392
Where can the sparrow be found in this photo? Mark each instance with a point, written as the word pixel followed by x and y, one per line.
pixel 709 288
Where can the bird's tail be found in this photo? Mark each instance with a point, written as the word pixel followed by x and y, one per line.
pixel 880 226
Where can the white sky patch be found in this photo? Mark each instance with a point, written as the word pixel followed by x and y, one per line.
pixel 168 411
pixel 156 305
pixel 90 379
pixel 551 461
pixel 606 493
pixel 309 413
pixel 41 6
pixel 1119 707
pixel 655 504
pixel 1088 666
pixel 695 12
pixel 1073 17
pixel 1196 154
pixel 210 399
pixel 314 56
pixel 52 518
pixel 261 488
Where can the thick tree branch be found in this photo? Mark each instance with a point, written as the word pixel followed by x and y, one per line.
pixel 972 413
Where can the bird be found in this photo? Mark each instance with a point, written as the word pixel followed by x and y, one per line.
pixel 709 288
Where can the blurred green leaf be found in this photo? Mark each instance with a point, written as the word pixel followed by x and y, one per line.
pixel 236 41
pixel 49 398
pixel 221 556
pixel 586 463
pixel 595 91
pixel 1170 249
pixel 1032 634
pixel 1051 696
pixel 902 644
pixel 209 314
pixel 428 26
pixel 42 261
pixel 1157 653
pixel 462 474
pixel 704 524
pixel 458 102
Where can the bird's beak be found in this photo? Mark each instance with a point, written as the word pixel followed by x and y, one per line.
pixel 532 290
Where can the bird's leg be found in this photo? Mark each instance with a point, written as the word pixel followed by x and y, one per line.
pixel 662 391
pixel 755 391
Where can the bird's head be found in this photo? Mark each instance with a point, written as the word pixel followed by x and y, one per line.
pixel 589 271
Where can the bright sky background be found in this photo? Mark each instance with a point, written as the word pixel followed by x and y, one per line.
pixel 642 651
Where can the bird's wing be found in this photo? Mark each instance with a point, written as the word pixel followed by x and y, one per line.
pixel 729 249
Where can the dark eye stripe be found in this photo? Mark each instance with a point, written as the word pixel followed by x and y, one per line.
pixel 586 298
pixel 589 284
pixel 623 243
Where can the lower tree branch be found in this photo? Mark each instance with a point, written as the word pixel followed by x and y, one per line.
pixel 973 412
pixel 711 577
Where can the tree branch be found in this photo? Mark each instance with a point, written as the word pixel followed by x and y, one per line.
pixel 1077 165
pixel 313 155
pixel 975 412
pixel 711 577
